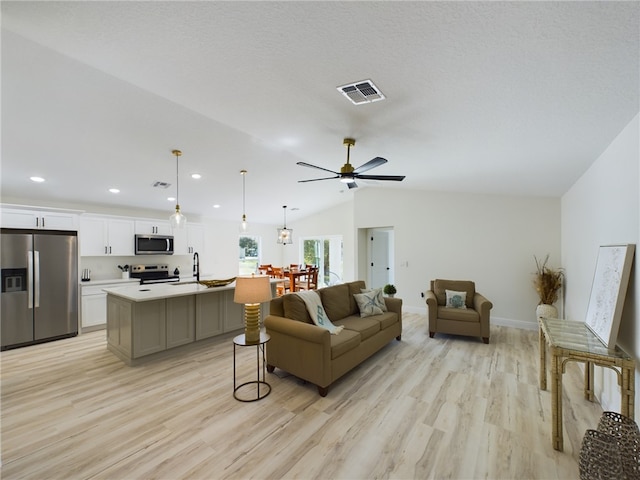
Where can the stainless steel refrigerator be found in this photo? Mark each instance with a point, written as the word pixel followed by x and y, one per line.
pixel 39 299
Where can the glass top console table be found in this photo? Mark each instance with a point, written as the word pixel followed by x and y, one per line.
pixel 574 341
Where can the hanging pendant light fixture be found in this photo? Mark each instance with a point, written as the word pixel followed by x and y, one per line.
pixel 178 220
pixel 285 235
pixel 243 226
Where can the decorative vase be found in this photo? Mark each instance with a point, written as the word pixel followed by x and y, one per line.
pixel 548 311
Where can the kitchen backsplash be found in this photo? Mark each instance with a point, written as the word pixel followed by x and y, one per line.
pixel 106 268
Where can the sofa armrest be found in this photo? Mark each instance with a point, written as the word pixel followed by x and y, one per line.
pixel 432 304
pixel 301 330
pixel 394 305
pixel 302 349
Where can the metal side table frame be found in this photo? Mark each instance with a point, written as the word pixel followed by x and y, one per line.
pixel 241 341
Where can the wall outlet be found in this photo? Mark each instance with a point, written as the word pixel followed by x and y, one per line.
pixel 422 294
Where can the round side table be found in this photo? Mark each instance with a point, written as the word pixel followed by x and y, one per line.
pixel 261 386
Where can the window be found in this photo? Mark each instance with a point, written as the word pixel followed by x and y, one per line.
pixel 326 253
pixel 249 254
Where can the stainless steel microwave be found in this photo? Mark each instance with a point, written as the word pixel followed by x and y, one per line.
pixel 154 244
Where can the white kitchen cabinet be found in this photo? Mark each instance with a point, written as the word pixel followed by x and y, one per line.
pixel 93 314
pixel 40 218
pixel 188 240
pixel 153 227
pixel 100 236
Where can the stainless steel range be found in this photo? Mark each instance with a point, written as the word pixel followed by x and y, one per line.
pixel 158 273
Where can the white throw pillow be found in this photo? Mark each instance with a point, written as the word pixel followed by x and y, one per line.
pixel 379 297
pixel 456 299
pixel 367 304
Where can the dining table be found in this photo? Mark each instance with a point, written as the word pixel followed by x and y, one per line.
pixel 294 276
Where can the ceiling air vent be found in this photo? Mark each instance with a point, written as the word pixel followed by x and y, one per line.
pixel 361 92
pixel 158 184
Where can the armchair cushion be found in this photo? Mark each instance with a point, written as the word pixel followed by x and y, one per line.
pixel 441 286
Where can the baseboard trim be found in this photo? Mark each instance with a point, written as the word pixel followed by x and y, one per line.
pixel 503 322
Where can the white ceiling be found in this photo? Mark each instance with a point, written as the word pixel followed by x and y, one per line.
pixel 503 97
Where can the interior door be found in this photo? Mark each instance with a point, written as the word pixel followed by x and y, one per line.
pixel 380 264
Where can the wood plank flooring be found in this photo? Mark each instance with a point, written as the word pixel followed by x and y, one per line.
pixel 447 407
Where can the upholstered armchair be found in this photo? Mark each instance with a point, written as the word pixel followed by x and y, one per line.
pixel 456 308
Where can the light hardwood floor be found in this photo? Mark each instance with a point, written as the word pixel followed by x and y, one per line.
pixel 447 407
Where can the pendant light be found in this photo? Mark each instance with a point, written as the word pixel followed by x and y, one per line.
pixel 243 226
pixel 285 235
pixel 178 220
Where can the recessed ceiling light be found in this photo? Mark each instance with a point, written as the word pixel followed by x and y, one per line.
pixel 216 206
pixel 114 190
pixel 171 199
pixel 36 179
pixel 197 176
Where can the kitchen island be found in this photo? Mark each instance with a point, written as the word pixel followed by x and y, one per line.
pixel 144 320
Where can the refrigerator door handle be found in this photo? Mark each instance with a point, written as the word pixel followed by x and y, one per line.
pixel 30 278
pixel 36 271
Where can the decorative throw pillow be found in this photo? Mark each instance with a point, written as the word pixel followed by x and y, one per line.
pixel 456 299
pixel 367 304
pixel 379 297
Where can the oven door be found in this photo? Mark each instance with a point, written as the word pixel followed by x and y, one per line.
pixel 154 244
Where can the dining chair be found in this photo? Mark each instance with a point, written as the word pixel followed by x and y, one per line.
pixel 310 280
pixel 281 287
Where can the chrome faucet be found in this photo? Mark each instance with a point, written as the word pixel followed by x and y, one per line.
pixel 196 266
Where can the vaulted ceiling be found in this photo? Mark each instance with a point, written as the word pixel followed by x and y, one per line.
pixel 498 97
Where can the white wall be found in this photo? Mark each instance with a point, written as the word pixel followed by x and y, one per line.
pixel 490 239
pixel 602 208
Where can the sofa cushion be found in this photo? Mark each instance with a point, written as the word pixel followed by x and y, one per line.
pixel 387 319
pixel 343 342
pixel 366 327
pixel 367 304
pixel 295 308
pixel 336 301
pixel 460 314
pixel 440 286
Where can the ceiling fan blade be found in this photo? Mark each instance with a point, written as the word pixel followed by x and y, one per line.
pixel 352 185
pixel 304 164
pixel 395 178
pixel 316 179
pixel 374 162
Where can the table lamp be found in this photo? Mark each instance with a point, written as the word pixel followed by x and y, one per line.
pixel 252 291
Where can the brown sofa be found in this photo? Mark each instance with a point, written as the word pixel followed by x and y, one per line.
pixel 472 320
pixel 310 352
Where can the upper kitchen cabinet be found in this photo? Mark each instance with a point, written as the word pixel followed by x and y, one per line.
pixel 153 227
pixel 188 240
pixel 101 235
pixel 40 218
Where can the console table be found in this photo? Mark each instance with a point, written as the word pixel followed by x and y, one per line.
pixel 574 341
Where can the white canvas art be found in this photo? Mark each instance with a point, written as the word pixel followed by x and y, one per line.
pixel 608 291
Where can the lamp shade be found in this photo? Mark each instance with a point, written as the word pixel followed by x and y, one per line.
pixel 254 289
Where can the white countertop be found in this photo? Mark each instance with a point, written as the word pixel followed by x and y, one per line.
pixel 158 291
pixel 123 281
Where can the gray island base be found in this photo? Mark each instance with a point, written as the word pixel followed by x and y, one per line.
pixel 149 321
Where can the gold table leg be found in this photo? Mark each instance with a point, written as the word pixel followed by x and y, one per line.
pixel 556 400
pixel 542 342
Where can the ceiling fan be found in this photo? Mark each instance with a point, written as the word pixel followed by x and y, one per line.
pixel 348 174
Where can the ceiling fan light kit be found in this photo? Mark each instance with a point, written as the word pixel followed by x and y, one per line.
pixel 348 174
pixel 178 220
